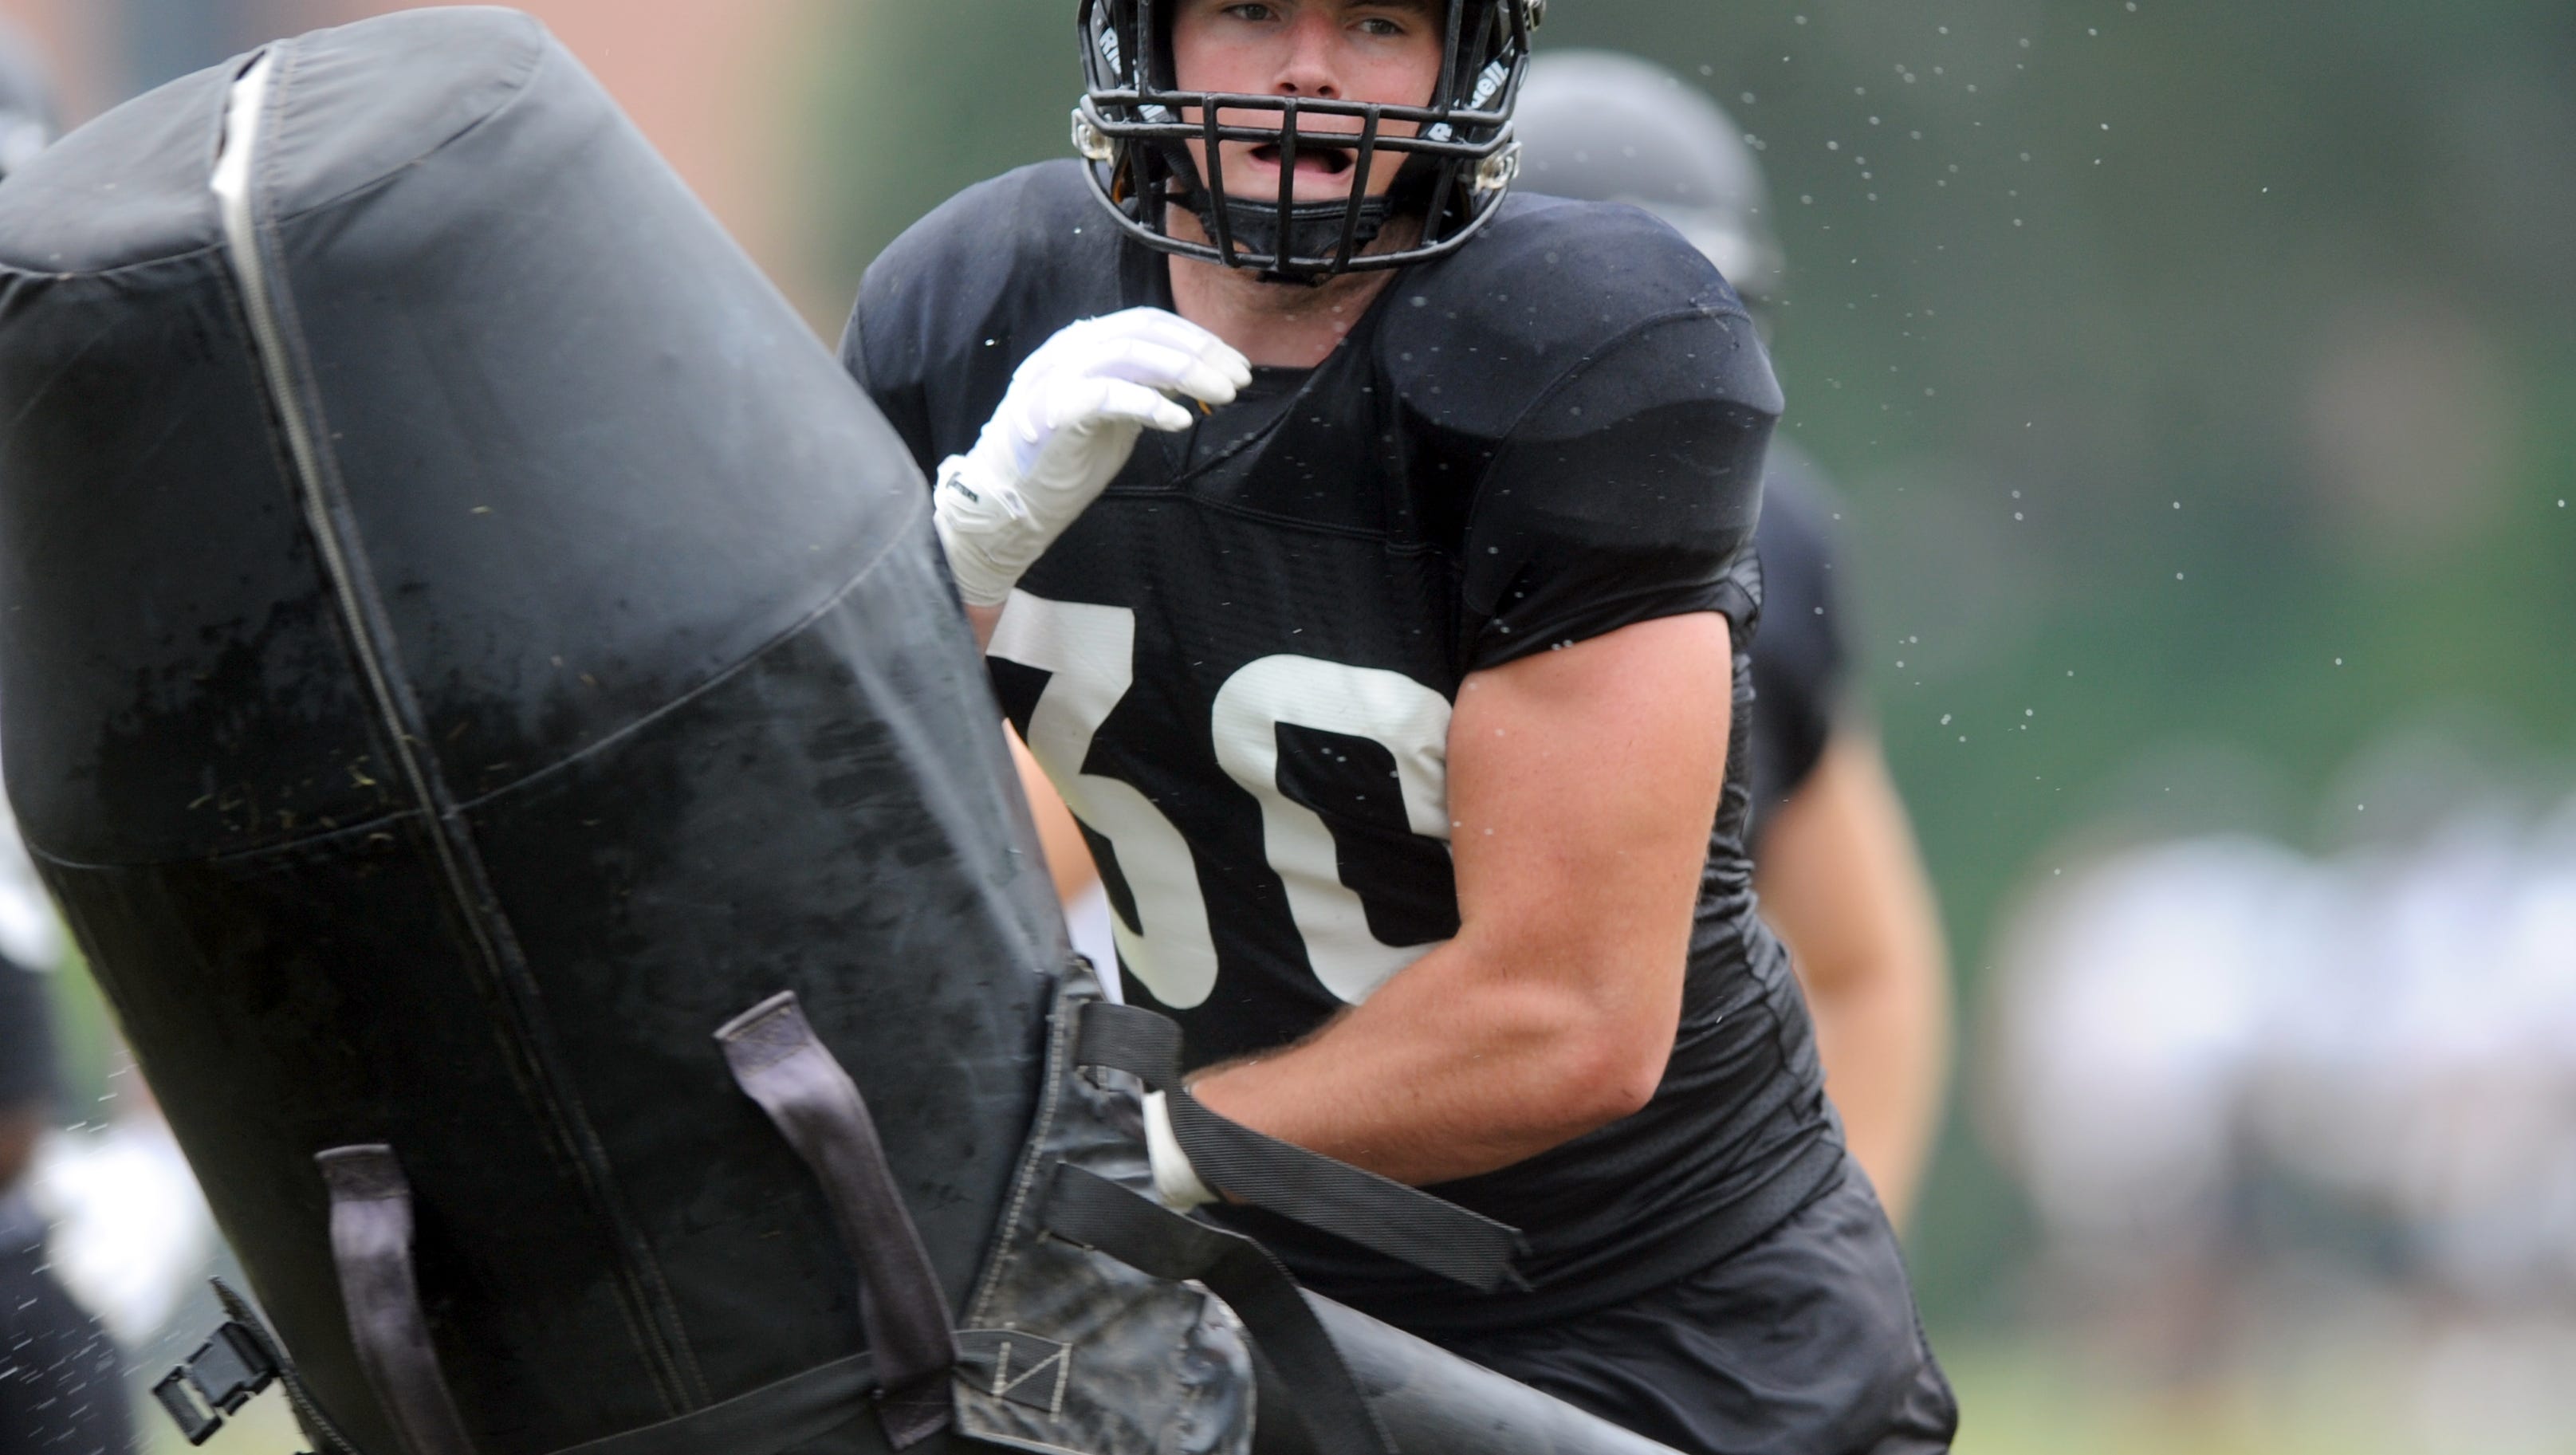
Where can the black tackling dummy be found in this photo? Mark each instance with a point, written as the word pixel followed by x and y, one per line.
pixel 485 695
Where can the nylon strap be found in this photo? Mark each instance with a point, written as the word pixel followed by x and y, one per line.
pixel 794 1411
pixel 779 1063
pixel 1375 1212
pixel 371 1231
pixel 1086 1208
pixel 803 1408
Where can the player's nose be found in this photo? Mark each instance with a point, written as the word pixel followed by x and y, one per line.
pixel 1307 64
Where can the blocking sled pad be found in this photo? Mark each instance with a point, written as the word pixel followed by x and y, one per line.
pixel 480 683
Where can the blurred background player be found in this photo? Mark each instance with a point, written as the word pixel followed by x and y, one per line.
pixel 61 1377
pixel 61 1385
pixel 1834 856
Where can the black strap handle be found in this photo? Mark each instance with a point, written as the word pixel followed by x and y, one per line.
pixel 793 1412
pixel 777 1061
pixel 1375 1212
pixel 1086 1208
pixel 371 1230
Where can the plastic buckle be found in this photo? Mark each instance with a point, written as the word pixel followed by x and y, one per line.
pixel 216 1381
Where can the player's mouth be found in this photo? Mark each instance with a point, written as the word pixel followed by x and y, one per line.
pixel 1313 160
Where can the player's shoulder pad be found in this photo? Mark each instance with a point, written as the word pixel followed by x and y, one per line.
pixel 1551 286
pixel 1006 255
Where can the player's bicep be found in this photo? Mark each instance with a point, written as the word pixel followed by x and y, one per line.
pixel 1583 784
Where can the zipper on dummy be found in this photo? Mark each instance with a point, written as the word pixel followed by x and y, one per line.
pixel 645 1298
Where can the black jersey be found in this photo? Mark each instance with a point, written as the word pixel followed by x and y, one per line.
pixel 1800 666
pixel 1238 664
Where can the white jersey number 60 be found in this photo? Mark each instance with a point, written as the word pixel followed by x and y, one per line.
pixel 1089 653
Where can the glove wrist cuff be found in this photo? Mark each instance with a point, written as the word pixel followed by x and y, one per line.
pixel 969 513
pixel 1176 1182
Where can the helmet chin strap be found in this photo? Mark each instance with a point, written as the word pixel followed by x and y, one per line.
pixel 1314 230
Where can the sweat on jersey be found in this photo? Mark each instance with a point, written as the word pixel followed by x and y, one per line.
pixel 1238 666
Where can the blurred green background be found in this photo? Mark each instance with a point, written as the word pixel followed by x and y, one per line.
pixel 2201 383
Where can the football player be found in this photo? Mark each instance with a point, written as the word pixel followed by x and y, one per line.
pixel 1833 854
pixel 1359 550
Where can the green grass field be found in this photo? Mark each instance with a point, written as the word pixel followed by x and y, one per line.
pixel 2017 1399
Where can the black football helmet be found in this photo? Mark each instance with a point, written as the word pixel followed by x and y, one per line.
pixel 1599 126
pixel 1134 124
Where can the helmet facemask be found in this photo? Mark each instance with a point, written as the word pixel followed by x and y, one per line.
pixel 1134 127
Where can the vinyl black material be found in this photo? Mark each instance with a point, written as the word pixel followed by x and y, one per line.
pixel 1434 1403
pixel 1095 1212
pixel 778 1062
pixel 770 1419
pixel 676 712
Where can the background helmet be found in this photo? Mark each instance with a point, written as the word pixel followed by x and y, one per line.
pixel 1133 127
pixel 1599 126
pixel 26 101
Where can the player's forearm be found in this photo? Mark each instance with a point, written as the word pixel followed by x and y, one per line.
pixel 1581 787
pixel 983 619
pixel 1453 1068
pixel 1068 858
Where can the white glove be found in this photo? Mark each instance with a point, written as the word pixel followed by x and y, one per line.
pixel 1176 1182
pixel 1064 428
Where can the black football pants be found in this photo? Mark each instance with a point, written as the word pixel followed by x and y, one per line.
pixel 1805 1342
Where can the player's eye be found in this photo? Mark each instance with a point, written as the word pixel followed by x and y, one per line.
pixel 1381 26
pixel 1251 12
